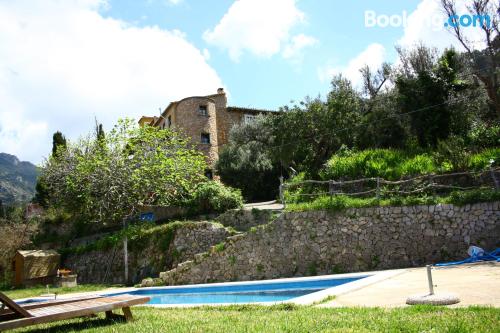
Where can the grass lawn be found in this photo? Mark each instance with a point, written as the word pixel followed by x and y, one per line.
pixel 39 290
pixel 290 319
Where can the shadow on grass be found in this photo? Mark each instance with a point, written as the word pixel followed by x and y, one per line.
pixel 79 325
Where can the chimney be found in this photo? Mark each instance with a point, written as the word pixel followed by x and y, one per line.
pixel 220 91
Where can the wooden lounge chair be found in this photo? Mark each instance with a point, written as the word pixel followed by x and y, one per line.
pixel 44 312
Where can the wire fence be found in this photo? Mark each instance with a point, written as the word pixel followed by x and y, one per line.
pixel 431 184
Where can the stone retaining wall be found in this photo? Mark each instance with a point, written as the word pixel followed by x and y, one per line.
pixel 318 242
pixel 244 220
pixel 107 266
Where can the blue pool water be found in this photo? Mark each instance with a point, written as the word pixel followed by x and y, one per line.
pixel 240 293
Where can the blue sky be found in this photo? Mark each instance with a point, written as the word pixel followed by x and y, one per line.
pixel 64 64
pixel 270 82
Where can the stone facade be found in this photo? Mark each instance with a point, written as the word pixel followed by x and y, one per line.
pixel 319 242
pixel 202 117
pixel 107 266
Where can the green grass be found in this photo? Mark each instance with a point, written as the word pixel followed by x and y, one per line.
pixel 342 202
pixel 39 290
pixel 392 164
pixel 286 318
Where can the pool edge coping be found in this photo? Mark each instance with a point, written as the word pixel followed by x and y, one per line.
pixel 368 279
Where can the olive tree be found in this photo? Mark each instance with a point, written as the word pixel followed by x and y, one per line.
pixel 108 178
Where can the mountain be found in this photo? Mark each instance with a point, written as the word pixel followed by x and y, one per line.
pixel 17 179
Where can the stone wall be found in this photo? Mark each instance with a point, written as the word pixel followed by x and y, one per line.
pixel 244 220
pixel 155 255
pixel 310 243
pixel 194 124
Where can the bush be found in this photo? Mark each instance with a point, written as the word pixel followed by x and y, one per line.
pixel 452 154
pixel 386 163
pixel 461 198
pixel 342 202
pixel 418 165
pixel 214 197
pixel 483 160
pixel 483 136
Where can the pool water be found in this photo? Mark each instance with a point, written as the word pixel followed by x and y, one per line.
pixel 240 293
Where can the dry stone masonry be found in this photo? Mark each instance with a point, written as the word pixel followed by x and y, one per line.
pixel 320 242
pixel 244 220
pixel 107 266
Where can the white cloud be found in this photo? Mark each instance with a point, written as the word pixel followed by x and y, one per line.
pixel 297 44
pixel 373 56
pixel 174 2
pixel 260 27
pixel 206 54
pixel 62 63
pixel 426 24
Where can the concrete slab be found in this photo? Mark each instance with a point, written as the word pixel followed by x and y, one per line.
pixel 268 205
pixel 475 284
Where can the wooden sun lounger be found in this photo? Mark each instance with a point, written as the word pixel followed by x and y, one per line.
pixel 39 313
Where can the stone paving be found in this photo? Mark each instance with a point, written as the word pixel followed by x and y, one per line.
pixel 474 284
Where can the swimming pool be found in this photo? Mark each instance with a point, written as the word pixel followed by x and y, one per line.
pixel 240 292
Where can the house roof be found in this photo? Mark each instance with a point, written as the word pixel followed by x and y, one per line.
pixel 247 110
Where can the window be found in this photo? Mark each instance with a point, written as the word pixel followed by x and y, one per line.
pixel 209 174
pixel 202 110
pixel 248 118
pixel 169 121
pixel 205 138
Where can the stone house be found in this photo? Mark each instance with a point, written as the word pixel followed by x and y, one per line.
pixel 207 120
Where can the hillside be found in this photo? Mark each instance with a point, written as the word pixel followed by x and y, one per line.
pixel 17 179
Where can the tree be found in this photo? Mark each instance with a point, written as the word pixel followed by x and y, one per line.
pixel 58 141
pixel 426 86
pixel 485 63
pixel 246 161
pixel 306 135
pixel 17 234
pixel 100 133
pixel 382 126
pixel 41 193
pixel 107 180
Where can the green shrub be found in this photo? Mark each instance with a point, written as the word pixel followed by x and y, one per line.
pixel 342 202
pixel 417 165
pixel 483 136
pixel 219 247
pixel 214 197
pixel 484 159
pixel 386 163
pixel 295 193
pixel 461 198
pixel 452 154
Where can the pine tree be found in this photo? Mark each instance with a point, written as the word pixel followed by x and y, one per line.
pixel 58 140
pixel 100 132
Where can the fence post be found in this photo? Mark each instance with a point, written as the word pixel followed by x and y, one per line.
pixel 282 194
pixel 495 180
pixel 378 188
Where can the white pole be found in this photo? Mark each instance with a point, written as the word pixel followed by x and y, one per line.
pixel 125 252
pixel 429 279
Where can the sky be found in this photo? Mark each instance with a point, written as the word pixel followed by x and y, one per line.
pixel 66 63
